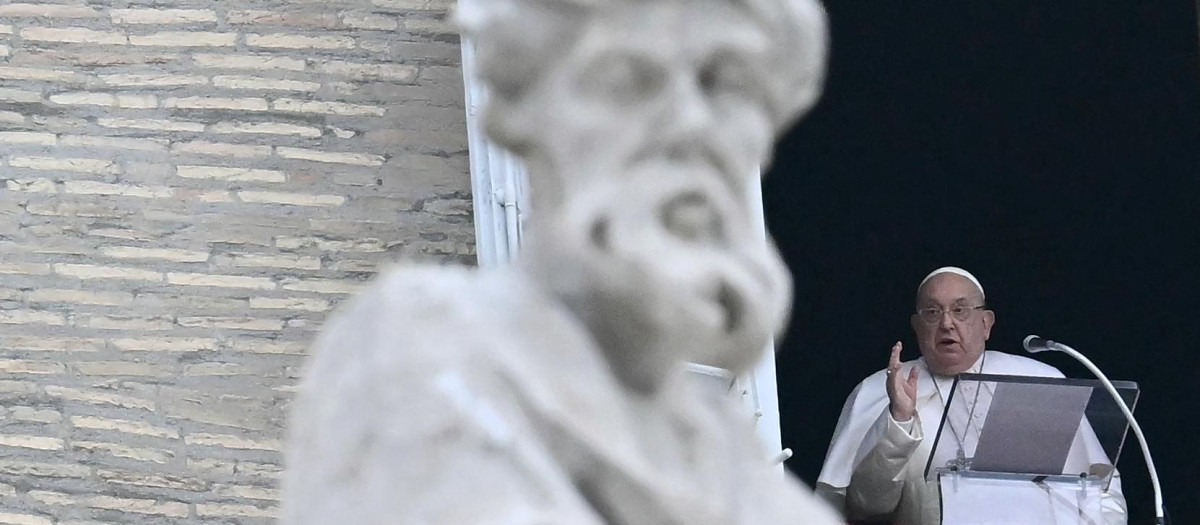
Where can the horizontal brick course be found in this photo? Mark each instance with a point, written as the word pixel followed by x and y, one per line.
pixel 140 144
pixel 41 10
pixel 28 137
pixel 152 79
pixel 23 519
pixel 323 107
pixel 162 16
pixel 118 450
pixel 266 128
pixel 289 41
pixel 74 35
pixel 129 427
pixel 98 397
pixel 252 62
pixel 227 441
pixel 184 39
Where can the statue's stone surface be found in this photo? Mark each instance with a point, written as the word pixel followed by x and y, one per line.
pixel 554 392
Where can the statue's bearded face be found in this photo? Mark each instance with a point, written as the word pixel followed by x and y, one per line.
pixel 666 270
pixel 653 126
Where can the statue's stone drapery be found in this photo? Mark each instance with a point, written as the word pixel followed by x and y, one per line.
pixel 553 392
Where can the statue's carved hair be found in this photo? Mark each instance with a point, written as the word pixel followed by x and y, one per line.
pixel 532 33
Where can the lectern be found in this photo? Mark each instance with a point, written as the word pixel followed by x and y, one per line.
pixel 1027 450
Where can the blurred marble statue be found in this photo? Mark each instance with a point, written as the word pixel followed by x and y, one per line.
pixel 554 392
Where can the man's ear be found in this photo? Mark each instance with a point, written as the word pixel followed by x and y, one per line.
pixel 915 322
pixel 989 319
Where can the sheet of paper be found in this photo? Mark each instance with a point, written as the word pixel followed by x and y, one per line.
pixel 1030 427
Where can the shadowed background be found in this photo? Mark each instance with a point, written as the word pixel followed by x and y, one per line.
pixel 1053 149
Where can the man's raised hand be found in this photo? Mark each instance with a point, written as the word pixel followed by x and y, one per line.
pixel 902 391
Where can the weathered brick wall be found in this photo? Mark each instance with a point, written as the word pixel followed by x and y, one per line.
pixel 190 187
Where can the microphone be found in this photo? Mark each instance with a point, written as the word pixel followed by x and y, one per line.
pixel 1035 344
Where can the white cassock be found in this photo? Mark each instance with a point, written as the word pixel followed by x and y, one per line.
pixel 875 467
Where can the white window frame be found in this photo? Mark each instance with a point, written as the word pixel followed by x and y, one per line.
pixel 498 179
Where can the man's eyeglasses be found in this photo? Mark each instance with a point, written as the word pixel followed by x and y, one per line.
pixel 961 312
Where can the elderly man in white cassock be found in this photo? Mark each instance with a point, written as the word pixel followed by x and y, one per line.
pixel 875 467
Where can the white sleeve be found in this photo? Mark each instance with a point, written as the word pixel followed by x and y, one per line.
pixel 878 480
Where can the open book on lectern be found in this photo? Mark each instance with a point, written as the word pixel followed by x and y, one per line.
pixel 1027 427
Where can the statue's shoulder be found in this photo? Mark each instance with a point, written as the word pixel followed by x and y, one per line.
pixel 428 385
pixel 423 320
pixel 405 305
pixel 440 292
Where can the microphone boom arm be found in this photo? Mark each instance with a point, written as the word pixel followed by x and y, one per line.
pixel 1137 429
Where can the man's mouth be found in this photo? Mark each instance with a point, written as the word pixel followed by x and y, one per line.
pixel 946 341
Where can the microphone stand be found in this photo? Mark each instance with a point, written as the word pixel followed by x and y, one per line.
pixel 1137 429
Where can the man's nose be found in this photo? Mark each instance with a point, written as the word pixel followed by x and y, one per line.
pixel 946 322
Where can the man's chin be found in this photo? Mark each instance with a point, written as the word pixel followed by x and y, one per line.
pixel 949 360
